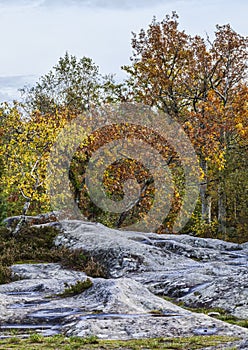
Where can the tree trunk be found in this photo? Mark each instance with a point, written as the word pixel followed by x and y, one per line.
pixel 222 209
pixel 23 218
pixel 206 200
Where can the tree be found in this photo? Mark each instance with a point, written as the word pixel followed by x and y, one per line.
pixel 72 84
pixel 10 128
pixel 198 83
pixel 29 129
pixel 24 151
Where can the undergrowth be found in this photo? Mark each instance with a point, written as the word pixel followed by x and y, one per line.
pixel 36 245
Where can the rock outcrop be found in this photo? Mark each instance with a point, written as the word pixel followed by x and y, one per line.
pixel 141 269
pixel 200 272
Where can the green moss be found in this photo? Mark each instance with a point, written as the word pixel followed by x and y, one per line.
pixel 77 288
pixel 64 343
pixel 221 314
pixel 197 293
pixel 156 312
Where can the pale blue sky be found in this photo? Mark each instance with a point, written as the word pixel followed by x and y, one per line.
pixel 35 33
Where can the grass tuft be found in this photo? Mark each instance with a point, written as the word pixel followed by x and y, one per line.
pixel 77 288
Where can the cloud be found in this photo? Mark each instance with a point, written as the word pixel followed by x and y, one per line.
pixel 37 32
pixel 111 4
pixel 14 3
pixel 10 85
pixel 104 4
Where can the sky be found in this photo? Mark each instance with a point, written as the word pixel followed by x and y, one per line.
pixel 36 33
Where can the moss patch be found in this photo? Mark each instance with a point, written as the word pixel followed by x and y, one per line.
pixel 63 343
pixel 77 288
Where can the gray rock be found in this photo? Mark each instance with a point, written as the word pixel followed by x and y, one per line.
pixel 143 326
pixel 141 268
pixel 200 272
pixel 111 309
pixel 38 281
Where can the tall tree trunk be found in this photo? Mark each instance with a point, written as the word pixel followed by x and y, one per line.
pixel 206 200
pixel 222 209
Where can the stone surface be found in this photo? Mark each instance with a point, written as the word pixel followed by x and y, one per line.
pixel 200 272
pixel 142 267
pixel 111 309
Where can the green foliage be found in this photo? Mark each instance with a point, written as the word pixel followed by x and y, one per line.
pixel 74 84
pixel 77 288
pixel 36 338
pixel 202 228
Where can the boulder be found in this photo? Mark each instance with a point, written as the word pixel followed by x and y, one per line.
pixel 142 268
pixel 201 272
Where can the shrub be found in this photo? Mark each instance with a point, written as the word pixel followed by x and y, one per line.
pixel 36 245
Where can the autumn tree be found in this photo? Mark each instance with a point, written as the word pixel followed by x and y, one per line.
pixel 24 149
pixel 197 82
pixel 29 129
pixel 10 128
